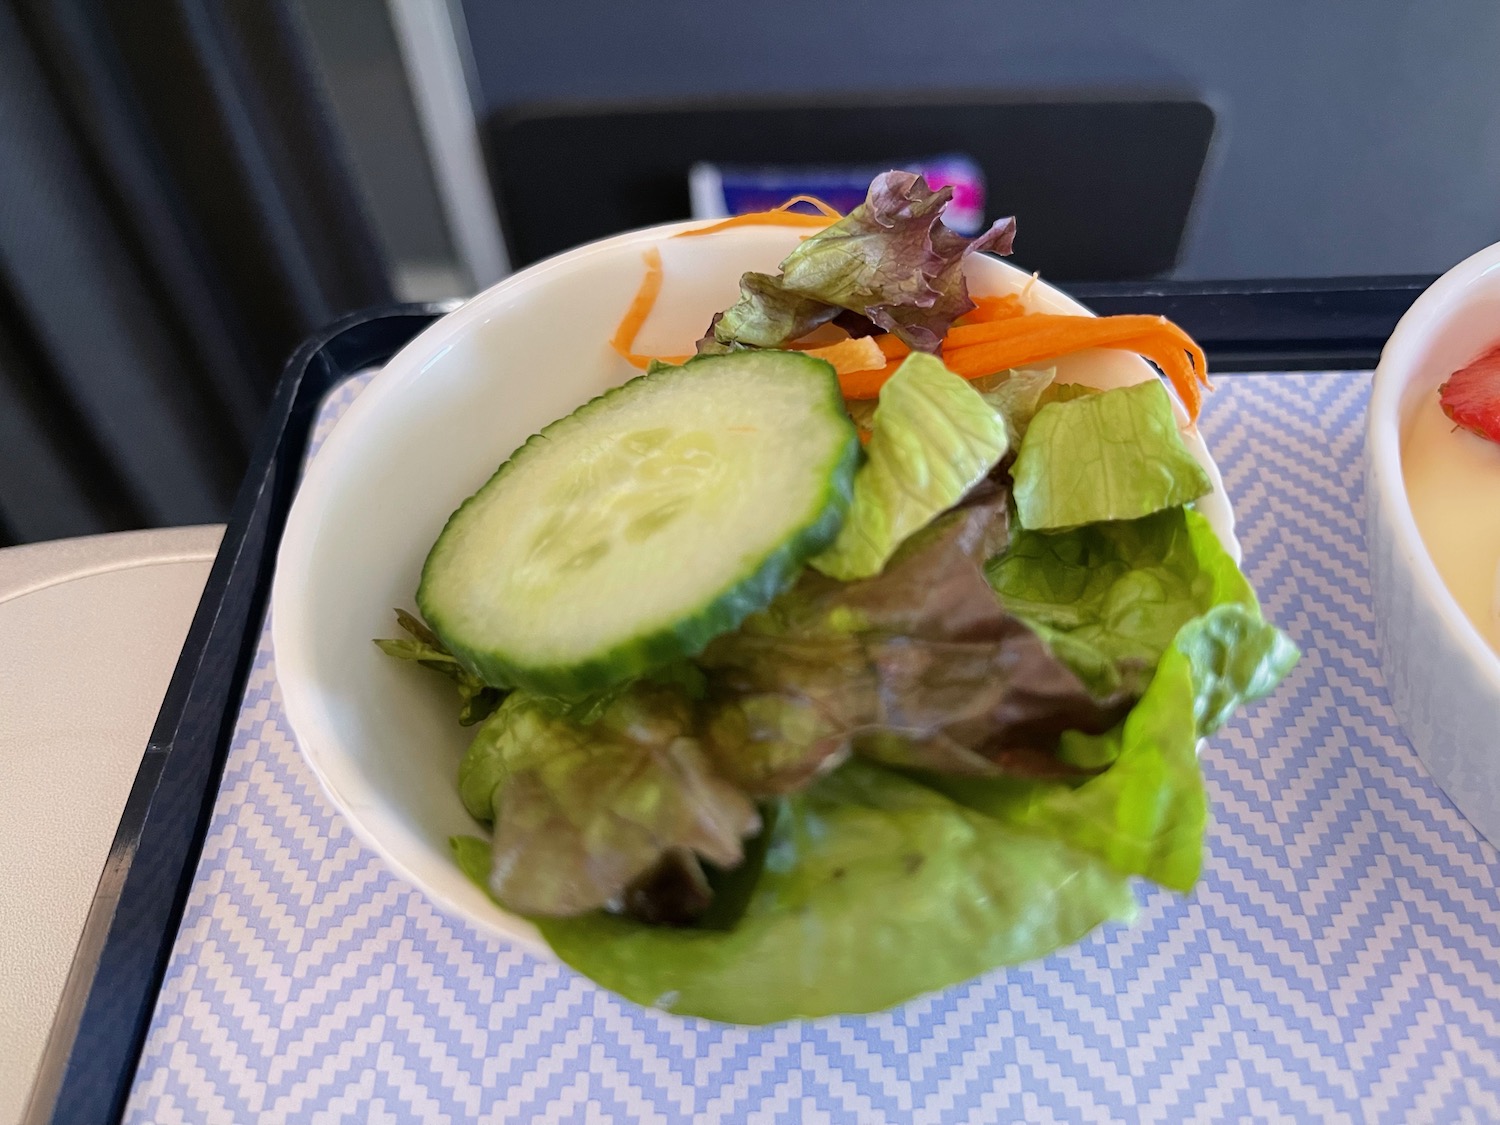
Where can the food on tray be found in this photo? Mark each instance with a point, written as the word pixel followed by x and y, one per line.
pixel 1471 396
pixel 1450 458
pixel 845 655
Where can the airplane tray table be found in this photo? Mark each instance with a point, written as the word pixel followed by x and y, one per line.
pixel 1335 962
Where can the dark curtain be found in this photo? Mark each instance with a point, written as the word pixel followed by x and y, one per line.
pixel 175 216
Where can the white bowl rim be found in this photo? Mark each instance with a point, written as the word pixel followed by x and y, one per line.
pixel 1383 442
pixel 413 358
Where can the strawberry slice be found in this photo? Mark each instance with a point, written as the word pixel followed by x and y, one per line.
pixel 1471 396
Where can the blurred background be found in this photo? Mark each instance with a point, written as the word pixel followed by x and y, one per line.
pixel 190 189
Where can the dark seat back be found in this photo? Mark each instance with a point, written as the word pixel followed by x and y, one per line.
pixel 1101 188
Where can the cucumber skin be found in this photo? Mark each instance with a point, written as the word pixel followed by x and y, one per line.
pixel 752 591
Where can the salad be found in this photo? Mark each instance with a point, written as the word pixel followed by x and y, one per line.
pixel 849 655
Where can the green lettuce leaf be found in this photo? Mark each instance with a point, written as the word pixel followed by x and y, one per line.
pixel 890 260
pixel 478 699
pixel 933 438
pixel 1065 392
pixel 1110 456
pixel 1146 813
pixel 1116 601
pixel 1017 395
pixel 473 858
pixel 1110 597
pixel 875 889
pixel 582 812
pixel 1236 656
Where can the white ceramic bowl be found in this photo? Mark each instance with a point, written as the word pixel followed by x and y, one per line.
pixel 427 432
pixel 1443 678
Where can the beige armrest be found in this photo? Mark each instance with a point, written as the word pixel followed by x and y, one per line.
pixel 90 630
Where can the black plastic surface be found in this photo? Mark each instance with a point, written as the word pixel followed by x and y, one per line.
pixel 1103 192
pixel 1306 324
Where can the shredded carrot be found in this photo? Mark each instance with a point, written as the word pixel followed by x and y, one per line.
pixel 1048 326
pixel 867 383
pixel 811 200
pixel 781 216
pixel 851 355
pixel 760 219
pixel 1185 370
pixel 973 350
pixel 986 309
pixel 983 349
pixel 777 216
pixel 623 341
pixel 993 308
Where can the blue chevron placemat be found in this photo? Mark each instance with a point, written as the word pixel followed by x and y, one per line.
pixel 1339 961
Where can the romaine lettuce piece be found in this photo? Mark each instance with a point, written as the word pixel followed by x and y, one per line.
pixel 1110 597
pixel 933 438
pixel 1116 455
pixel 1017 394
pixel 1146 812
pixel 1237 656
pixel 875 889
pixel 1065 392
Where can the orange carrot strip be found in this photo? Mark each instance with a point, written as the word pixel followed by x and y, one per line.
pixel 993 308
pixel 1186 380
pixel 892 347
pixel 1174 361
pixel 761 219
pixel 779 216
pixel 982 349
pixel 814 201
pixel 1099 330
pixel 623 341
pixel 1182 361
pixel 867 384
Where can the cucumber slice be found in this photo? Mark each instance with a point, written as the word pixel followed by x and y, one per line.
pixel 635 530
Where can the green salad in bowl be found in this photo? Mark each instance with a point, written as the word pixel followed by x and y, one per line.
pixel 850 653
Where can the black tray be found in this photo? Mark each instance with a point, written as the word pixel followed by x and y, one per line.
pixel 96 1040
